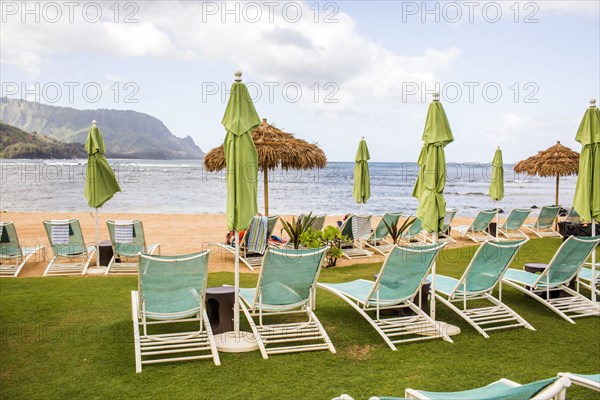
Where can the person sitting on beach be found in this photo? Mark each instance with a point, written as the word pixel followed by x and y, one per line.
pixel 340 223
pixel 230 235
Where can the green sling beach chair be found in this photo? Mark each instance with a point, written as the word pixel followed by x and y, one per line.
pixel 171 290
pixel 286 286
pixel 503 389
pixel 399 281
pixel 444 234
pixel 564 266
pixel 544 224
pixel 13 256
pixel 357 228
pixel 128 241
pixel 514 222
pixel 587 381
pixel 573 217
pixel 413 234
pixel 68 245
pixel 255 241
pixel 477 283
pixel 477 231
pixel 377 240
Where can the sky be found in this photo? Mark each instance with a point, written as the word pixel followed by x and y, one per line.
pixel 515 74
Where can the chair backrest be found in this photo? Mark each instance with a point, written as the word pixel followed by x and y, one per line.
pixel 317 222
pixel 124 245
pixel 487 266
pixel 449 217
pixel 516 218
pixel 73 243
pixel 287 276
pixel 361 226
pixel 272 221
pixel 403 272
pixel 573 217
pixel 381 230
pixel 482 220
pixel 166 283
pixel 547 216
pixel 568 260
pixel 346 227
pixel 413 230
pixel 9 241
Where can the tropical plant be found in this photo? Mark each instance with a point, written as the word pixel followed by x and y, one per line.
pixel 297 227
pixel 396 231
pixel 330 237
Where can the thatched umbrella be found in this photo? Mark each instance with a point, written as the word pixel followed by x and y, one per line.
pixel 275 148
pixel 556 161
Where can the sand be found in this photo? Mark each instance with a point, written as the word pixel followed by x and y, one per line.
pixel 176 233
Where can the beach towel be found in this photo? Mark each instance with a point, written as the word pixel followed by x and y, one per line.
pixel 361 226
pixel 257 241
pixel 59 232
pixel 124 232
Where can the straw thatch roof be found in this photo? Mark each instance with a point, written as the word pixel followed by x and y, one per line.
pixel 558 160
pixel 275 148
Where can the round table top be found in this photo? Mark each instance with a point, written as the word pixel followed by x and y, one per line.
pixel 220 290
pixel 538 266
pixel 106 243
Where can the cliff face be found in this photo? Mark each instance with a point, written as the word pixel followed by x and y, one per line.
pixel 15 143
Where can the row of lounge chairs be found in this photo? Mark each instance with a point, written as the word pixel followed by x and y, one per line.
pixel 71 255
pixel 171 289
pixel 552 388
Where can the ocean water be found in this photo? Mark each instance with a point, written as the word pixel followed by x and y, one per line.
pixel 183 187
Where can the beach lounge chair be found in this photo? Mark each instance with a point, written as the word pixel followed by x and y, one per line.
pixel 286 286
pixel 128 241
pixel 171 289
pixel 318 221
pixel 399 281
pixel 514 222
pixel 563 267
pixel 587 381
pixel 377 240
pixel 585 278
pixel 573 217
pixel 414 234
pixel 544 225
pixel 68 245
pixel 255 241
pixel 12 256
pixel 477 231
pixel 444 234
pixel 357 228
pixel 477 283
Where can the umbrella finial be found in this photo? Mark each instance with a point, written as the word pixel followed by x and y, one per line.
pixel 94 122
pixel 498 147
pixel 264 120
pixel 362 138
pixel 592 102
pixel 238 76
pixel 436 96
pixel 558 142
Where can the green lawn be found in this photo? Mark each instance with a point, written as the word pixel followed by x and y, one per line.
pixel 72 338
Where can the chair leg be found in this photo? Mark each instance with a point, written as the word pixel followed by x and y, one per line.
pixel 136 331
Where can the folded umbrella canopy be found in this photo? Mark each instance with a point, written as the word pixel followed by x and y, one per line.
pixel 497 183
pixel 362 180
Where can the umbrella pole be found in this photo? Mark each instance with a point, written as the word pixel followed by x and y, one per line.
pixel 593 282
pixel 97 244
pixel 266 179
pixel 236 306
pixel 497 217
pixel 432 292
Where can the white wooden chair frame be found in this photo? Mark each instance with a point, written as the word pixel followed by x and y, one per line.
pixel 587 283
pixel 484 235
pixel 548 231
pixel 287 334
pixel 57 268
pixel 518 232
pixel 498 316
pixel 576 306
pixel 418 327
pixel 128 264
pixel 23 254
pixel 200 341
pixel 581 381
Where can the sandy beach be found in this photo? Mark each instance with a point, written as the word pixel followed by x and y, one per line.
pixel 176 233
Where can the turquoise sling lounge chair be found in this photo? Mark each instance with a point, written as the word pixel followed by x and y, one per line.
pixel 12 255
pixel 503 389
pixel 413 234
pixel 399 281
pixel 573 217
pixel 564 266
pixel 585 278
pixel 377 240
pixel 286 285
pixel 587 381
pixel 477 231
pixel 171 290
pixel 357 228
pixel 444 234
pixel 128 241
pixel 71 255
pixel 480 278
pixel 514 222
pixel 544 225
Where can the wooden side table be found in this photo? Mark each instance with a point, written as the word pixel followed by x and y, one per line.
pixel 105 252
pixel 539 268
pixel 220 301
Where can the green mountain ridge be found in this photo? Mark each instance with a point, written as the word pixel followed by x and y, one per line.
pixel 16 143
pixel 127 134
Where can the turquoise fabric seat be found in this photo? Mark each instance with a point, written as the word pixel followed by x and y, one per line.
pixel 173 301
pixel 594 377
pixel 586 273
pixel 444 284
pixel 360 289
pixel 525 277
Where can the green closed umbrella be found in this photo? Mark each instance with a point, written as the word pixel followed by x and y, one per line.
pixel 241 163
pixel 431 181
pixel 362 180
pixel 497 183
pixel 587 192
pixel 100 181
